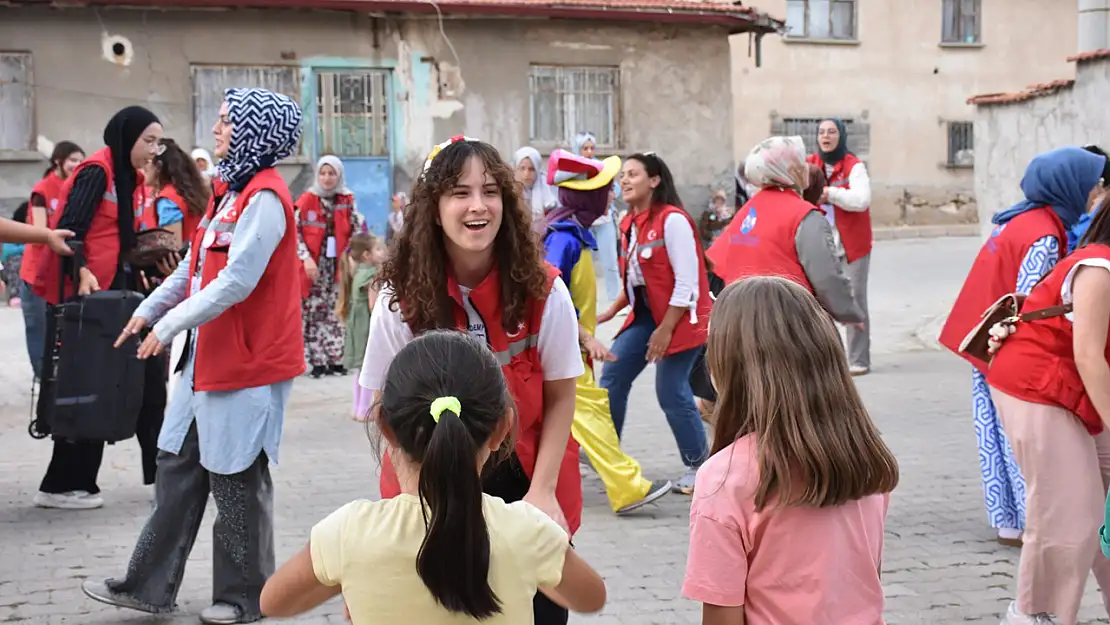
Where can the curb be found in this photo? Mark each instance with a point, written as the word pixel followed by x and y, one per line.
pixel 925 232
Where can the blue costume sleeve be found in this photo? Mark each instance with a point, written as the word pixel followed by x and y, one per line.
pixel 168 212
pixel 562 249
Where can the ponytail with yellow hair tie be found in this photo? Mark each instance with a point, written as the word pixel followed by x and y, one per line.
pixel 445 403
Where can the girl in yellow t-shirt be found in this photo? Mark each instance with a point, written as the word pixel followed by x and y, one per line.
pixel 444 408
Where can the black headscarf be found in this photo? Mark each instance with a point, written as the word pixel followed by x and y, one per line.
pixel 120 135
pixel 835 155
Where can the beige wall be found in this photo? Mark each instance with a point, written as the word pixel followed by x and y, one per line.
pixel 1008 136
pixel 906 85
pixel 664 106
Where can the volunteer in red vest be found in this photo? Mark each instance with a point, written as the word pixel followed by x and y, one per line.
pixel 181 192
pixel 468 259
pixel 847 205
pixel 102 205
pixel 1051 384
pixel 1027 241
pixel 45 198
pixel 326 218
pixel 237 295
pixel 665 280
pixel 778 233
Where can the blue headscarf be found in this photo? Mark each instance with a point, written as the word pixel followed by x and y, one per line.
pixel 266 128
pixel 1061 179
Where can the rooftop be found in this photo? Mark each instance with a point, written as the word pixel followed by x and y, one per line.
pixel 1032 91
pixel 735 15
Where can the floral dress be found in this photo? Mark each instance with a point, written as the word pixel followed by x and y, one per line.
pixel 323 330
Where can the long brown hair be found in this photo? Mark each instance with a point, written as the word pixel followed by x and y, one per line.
pixel 417 266
pixel 780 372
pixel 174 166
pixel 357 248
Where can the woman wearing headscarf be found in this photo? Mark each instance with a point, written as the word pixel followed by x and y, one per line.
pixel 237 295
pixel 604 228
pixel 103 206
pixel 396 220
pixel 536 194
pixel 778 233
pixel 326 219
pixel 1027 241
pixel 205 163
pixel 846 203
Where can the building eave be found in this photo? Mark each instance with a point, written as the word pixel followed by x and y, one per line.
pixel 735 17
pixel 1029 93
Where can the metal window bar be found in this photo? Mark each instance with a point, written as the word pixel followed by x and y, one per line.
pixel 352 113
pixel 17 108
pixel 566 100
pixel 961 144
pixel 961 21
pixel 210 82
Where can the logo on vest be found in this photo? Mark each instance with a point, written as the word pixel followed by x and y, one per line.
pixel 311 215
pixel 651 235
pixel 519 329
pixel 992 244
pixel 53 205
pixel 745 237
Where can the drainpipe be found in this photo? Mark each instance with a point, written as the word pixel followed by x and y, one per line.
pixel 1094 25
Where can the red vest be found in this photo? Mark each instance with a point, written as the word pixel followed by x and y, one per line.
pixel 102 239
pixel 146 215
pixel 190 221
pixel 519 356
pixel 258 341
pixel 659 275
pixel 761 239
pixel 854 226
pixel 314 228
pixel 995 273
pixel 1036 363
pixel 50 188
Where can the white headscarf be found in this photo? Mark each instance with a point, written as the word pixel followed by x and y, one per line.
pixel 200 153
pixel 539 194
pixel 340 185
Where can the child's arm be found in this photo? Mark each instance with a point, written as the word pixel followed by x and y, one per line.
pixel 12 231
pixel 581 588
pixel 294 589
pixel 720 615
pixel 372 296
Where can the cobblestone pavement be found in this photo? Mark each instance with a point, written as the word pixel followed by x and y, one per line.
pixel 941 563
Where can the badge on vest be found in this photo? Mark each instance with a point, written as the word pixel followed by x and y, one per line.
pixel 331 252
pixel 311 216
pixel 646 253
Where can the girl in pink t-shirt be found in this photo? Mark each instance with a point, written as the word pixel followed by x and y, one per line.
pixel 786 524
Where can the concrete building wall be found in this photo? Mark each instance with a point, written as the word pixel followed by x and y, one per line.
pixel 663 105
pixel 905 84
pixel 1008 136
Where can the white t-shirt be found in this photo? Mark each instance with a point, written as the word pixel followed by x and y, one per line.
pixel 557 346
pixel 1069 280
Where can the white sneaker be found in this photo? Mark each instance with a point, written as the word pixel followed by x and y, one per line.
pixel 1016 617
pixel 74 500
pixel 857 370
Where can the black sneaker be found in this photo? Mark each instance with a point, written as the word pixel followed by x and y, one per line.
pixel 337 370
pixel 318 371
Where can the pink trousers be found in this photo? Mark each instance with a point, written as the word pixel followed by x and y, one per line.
pixel 1067 472
pixel 362 399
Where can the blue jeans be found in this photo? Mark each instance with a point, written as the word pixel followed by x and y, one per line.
pixel 672 386
pixel 605 258
pixel 34 323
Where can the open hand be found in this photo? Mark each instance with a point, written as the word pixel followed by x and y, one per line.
pixel 133 327
pixel 597 351
pixel 658 344
pixel 151 347
pixel 310 269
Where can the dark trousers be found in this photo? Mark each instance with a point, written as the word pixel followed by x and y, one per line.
pixel 508 481
pixel 242 535
pixel 151 414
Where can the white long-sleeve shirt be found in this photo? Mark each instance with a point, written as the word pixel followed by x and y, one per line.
pixel 856 198
pixel 682 251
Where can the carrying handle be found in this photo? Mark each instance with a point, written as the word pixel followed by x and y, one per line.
pixel 78 257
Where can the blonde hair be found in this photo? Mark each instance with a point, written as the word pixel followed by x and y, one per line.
pixel 358 246
pixel 779 368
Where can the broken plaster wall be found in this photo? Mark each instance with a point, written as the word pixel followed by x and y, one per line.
pixel 1008 136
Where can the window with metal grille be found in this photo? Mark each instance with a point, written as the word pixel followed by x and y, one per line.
pixel 352 113
pixel 859 133
pixel 821 19
pixel 961 144
pixel 569 100
pixel 17 102
pixel 961 21
pixel 210 81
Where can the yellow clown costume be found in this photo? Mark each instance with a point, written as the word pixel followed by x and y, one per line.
pixel 583 185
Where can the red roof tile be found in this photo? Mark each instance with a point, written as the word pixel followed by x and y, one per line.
pixel 734 14
pixel 1090 55
pixel 1030 92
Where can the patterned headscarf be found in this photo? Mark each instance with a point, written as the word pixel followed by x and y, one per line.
pixel 265 129
pixel 777 162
